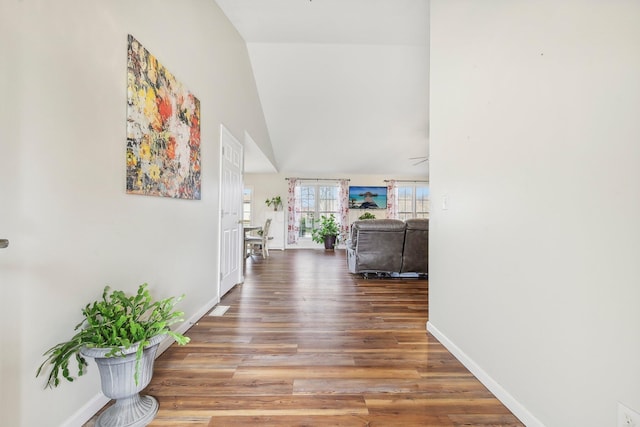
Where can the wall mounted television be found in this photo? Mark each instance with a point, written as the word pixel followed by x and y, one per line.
pixel 367 197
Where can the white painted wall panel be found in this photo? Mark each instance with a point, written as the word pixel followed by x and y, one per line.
pixel 534 143
pixel 72 227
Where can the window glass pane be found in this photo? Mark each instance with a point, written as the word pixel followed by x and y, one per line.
pixel 246 206
pixel 413 201
pixel 422 201
pixel 307 203
pixel 307 198
pixel 405 201
pixel 328 200
pixel 316 200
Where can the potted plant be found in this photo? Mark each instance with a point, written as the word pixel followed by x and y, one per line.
pixel 367 215
pixel 327 232
pixel 275 201
pixel 122 333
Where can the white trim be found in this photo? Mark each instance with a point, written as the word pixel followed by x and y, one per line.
pixel 501 394
pixel 85 413
pixel 189 323
pixel 89 409
pixel 227 137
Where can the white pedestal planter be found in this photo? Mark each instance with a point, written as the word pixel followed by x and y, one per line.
pixel 117 376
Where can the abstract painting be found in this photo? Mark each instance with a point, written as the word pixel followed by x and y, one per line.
pixel 163 130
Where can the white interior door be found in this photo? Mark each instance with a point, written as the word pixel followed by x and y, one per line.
pixel 231 238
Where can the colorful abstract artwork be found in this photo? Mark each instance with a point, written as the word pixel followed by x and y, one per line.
pixel 163 130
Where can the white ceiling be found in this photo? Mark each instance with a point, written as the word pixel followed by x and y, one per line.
pixel 343 83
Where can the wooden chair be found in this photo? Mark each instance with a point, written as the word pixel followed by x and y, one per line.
pixel 259 244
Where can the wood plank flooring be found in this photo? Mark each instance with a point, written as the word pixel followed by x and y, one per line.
pixel 304 343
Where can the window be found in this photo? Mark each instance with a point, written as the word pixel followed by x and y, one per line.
pixel 316 200
pixel 247 196
pixel 413 201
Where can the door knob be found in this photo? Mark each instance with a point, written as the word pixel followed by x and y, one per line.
pixel 4 243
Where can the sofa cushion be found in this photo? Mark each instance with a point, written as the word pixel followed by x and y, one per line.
pixel 374 225
pixel 380 224
pixel 376 245
pixel 415 256
pixel 417 224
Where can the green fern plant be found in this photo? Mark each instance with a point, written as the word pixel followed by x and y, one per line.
pixel 118 322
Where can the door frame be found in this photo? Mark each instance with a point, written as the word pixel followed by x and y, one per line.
pixel 225 133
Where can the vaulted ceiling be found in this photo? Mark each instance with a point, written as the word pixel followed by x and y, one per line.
pixel 343 83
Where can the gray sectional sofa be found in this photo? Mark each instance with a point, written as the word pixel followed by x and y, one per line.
pixel 389 247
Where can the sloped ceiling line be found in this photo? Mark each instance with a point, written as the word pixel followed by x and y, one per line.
pixel 343 83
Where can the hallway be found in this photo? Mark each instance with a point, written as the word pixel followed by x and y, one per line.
pixel 304 343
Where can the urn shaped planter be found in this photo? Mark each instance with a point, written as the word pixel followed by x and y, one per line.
pixel 117 375
pixel 111 331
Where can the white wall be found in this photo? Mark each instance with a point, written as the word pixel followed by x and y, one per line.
pixel 534 140
pixel 11 282
pixel 64 208
pixel 265 186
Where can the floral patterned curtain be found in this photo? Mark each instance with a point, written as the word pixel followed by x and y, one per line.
pixel 343 208
pixel 293 211
pixel 392 204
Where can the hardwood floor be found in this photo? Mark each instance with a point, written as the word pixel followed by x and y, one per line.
pixel 304 343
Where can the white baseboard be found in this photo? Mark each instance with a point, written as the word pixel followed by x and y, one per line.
pixel 89 409
pixel 189 323
pixel 501 394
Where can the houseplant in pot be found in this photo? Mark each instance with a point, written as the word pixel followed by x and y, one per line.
pixel 327 232
pixel 122 334
pixel 276 202
pixel 367 215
